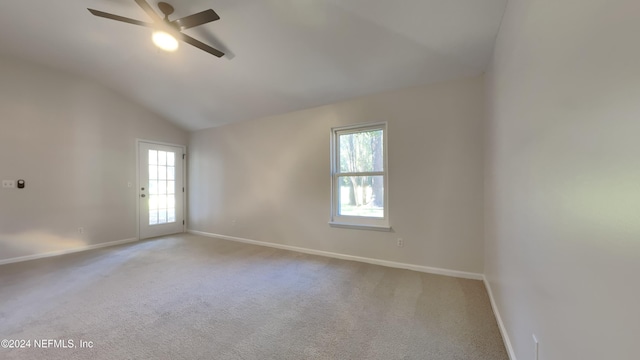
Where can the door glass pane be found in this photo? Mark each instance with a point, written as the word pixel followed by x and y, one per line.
pixel 171 173
pixel 171 187
pixel 153 157
pixel 153 172
pixel 162 216
pixel 361 151
pixel 153 217
pixel 162 202
pixel 162 158
pixel 171 159
pixel 361 196
pixel 153 187
pixel 162 172
pixel 162 187
pixel 153 202
pixel 171 215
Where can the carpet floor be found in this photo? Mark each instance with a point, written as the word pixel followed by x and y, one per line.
pixel 190 297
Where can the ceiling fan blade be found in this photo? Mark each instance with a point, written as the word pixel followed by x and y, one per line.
pixel 200 45
pixel 200 18
pixel 147 8
pixel 118 18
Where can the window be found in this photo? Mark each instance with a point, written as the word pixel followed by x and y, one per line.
pixel 359 176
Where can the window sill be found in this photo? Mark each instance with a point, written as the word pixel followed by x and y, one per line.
pixel 359 226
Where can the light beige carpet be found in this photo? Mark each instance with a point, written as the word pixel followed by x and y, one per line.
pixel 189 297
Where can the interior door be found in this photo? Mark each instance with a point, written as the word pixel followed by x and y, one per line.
pixel 161 189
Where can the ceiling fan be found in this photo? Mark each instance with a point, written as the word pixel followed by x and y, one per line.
pixel 167 31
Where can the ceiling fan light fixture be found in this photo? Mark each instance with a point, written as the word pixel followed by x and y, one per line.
pixel 165 41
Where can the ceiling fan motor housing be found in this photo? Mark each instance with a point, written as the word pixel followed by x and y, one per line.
pixel 166 9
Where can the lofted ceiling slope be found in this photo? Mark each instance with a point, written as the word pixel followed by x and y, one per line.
pixel 282 55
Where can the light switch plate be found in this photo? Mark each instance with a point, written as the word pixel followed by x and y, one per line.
pixel 8 183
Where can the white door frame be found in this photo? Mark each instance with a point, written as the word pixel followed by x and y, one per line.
pixel 184 181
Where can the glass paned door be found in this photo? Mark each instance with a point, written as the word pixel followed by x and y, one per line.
pixel 161 189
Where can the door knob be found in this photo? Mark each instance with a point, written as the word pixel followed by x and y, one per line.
pixel 143 195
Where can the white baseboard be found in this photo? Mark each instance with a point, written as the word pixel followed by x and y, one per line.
pixel 66 251
pixel 425 269
pixel 503 330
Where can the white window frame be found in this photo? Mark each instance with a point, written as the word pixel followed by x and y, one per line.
pixel 362 222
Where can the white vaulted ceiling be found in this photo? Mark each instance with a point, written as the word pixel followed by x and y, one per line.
pixel 283 55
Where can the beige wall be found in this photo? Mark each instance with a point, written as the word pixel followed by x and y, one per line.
pixel 272 177
pixel 563 178
pixel 74 144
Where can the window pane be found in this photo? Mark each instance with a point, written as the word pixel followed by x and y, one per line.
pixel 162 172
pixel 153 187
pixel 171 202
pixel 162 216
pixel 153 202
pixel 162 158
pixel 171 173
pixel 171 187
pixel 153 172
pixel 153 217
pixel 361 196
pixel 171 159
pixel 153 157
pixel 171 215
pixel 162 187
pixel 361 151
pixel 162 202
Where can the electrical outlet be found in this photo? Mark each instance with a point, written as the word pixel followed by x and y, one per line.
pixel 80 230
pixel 535 344
pixel 8 184
pixel 400 242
